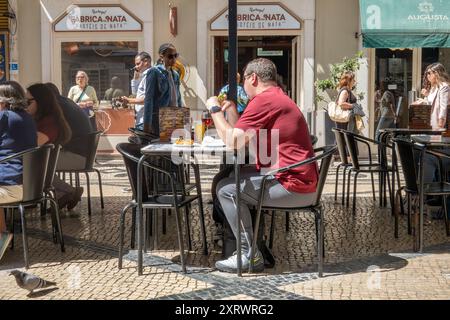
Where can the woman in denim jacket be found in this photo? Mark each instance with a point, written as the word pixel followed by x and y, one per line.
pixel 163 88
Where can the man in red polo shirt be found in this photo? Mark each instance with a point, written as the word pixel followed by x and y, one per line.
pixel 274 122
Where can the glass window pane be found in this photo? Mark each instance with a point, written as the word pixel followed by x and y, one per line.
pixel 393 73
pixel 107 64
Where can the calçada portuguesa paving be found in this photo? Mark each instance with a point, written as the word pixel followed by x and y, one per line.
pixel 363 259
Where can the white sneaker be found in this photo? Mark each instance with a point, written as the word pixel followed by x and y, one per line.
pixel 230 264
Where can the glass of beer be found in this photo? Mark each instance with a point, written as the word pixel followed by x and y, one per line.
pixel 199 131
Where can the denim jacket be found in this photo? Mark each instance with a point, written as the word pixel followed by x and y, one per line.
pixel 157 94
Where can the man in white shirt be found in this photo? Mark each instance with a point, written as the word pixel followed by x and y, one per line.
pixel 142 62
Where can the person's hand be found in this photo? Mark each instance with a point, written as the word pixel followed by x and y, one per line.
pixel 211 102
pixel 137 75
pixel 124 99
pixel 227 104
pixel 424 92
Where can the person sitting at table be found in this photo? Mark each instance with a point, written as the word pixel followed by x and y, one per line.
pixel 272 110
pixel 74 153
pixel 18 133
pixel 52 128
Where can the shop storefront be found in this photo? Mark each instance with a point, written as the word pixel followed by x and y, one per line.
pixel 281 31
pixel 405 37
pixel 102 40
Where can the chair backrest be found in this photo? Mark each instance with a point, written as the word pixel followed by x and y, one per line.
pixel 92 141
pixel 352 147
pixel 51 168
pixel 35 164
pixel 405 153
pixel 131 153
pixel 325 157
pixel 340 142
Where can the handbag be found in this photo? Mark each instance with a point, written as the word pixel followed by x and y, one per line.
pixel 337 114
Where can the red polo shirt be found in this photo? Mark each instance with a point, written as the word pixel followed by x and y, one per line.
pixel 273 110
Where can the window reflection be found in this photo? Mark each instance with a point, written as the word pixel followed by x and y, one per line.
pixel 107 64
pixel 393 73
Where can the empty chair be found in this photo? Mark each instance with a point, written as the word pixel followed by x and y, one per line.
pixel 325 156
pixel 35 162
pixel 351 140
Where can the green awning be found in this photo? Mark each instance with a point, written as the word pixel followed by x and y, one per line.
pixel 405 23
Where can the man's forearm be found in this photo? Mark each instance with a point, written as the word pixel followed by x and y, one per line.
pixel 221 125
pixel 232 116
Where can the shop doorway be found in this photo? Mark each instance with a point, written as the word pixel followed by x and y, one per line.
pixel 394 73
pixel 282 50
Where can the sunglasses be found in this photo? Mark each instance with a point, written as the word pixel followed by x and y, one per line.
pixel 173 56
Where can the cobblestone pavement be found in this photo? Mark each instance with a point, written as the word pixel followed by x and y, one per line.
pixel 363 259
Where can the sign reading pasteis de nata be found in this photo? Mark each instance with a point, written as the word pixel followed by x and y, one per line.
pixel 258 17
pixel 97 18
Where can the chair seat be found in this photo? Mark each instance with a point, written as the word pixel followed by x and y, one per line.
pixel 437 188
pixel 166 201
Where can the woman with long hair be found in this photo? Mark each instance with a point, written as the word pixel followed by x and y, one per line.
pixel 439 94
pixel 346 99
pixel 18 133
pixel 44 108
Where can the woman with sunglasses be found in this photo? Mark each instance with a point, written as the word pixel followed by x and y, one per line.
pixel 438 95
pixel 18 133
pixel 162 88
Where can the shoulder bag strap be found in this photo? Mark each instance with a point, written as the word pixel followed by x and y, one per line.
pixel 81 95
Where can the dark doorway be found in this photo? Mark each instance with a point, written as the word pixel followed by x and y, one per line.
pixel 276 48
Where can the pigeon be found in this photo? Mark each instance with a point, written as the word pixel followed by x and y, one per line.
pixel 29 281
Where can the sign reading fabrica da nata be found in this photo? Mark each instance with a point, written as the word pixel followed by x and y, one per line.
pixel 258 17
pixel 97 18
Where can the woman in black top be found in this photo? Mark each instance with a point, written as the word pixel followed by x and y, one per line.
pixel 346 99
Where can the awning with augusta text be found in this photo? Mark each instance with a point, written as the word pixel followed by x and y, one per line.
pixel 405 23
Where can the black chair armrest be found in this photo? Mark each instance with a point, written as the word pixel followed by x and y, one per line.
pixel 19 154
pixel 326 151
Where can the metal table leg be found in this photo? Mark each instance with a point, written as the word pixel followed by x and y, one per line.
pixel 237 175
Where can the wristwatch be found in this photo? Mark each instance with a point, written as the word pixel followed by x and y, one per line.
pixel 215 109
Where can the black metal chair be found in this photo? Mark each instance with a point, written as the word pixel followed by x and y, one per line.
pixel 314 140
pixel 380 167
pixel 35 162
pixel 49 190
pixel 154 198
pixel 90 143
pixel 345 164
pixel 325 157
pixel 405 151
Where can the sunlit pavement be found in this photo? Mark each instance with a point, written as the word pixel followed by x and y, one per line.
pixel 363 259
